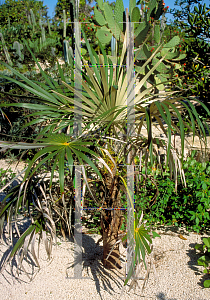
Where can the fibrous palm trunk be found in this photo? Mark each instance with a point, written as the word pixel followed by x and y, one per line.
pixel 111 221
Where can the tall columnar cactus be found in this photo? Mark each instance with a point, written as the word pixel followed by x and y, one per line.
pixel 49 29
pixel 53 51
pixel 5 50
pixel 64 24
pixel 33 19
pixel 43 35
pixel 112 24
pixel 29 19
pixel 66 51
pixel 18 48
pixel 8 22
pixel 113 46
pixel 41 44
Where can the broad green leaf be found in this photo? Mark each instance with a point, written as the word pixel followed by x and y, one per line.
pixel 206 283
pixel 99 17
pixel 157 34
pixel 135 14
pixel 207 242
pixel 118 13
pixel 132 4
pixel 113 25
pixel 173 42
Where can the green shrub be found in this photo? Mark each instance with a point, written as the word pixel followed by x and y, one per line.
pixel 6 176
pixel 189 206
pixel 204 260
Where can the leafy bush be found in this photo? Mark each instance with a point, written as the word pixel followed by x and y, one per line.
pixel 189 206
pixel 204 260
pixel 5 177
pixel 195 76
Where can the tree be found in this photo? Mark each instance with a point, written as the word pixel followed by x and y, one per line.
pixel 104 111
pixel 193 21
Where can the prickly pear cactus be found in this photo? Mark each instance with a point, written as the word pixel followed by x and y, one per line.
pixel 18 48
pixel 148 35
pixel 114 20
pixel 5 49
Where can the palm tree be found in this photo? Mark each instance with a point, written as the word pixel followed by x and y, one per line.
pixel 104 111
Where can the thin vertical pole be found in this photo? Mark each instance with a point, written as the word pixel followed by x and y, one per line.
pixel 77 130
pixel 130 133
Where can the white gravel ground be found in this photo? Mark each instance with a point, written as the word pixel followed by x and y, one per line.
pixel 178 276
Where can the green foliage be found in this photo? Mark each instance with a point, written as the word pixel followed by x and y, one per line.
pixel 14 12
pixel 28 20
pixel 6 176
pixel 189 206
pixel 193 20
pixel 204 260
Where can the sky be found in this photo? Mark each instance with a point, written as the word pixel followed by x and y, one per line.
pixel 52 3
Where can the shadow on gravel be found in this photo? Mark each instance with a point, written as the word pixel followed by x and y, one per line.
pixel 162 296
pixel 92 264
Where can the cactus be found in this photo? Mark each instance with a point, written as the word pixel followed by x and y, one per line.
pixel 5 50
pixel 33 19
pixel 112 27
pixel 40 23
pixel 115 21
pixel 66 51
pixel 18 47
pixel 8 22
pixel 113 46
pixel 43 35
pixel 49 29
pixel 157 34
pixel 53 51
pixel 29 19
pixel 64 24
pixel 104 35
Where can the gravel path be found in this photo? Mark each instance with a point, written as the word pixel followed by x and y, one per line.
pixel 178 276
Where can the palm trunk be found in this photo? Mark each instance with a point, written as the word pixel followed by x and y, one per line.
pixel 111 221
